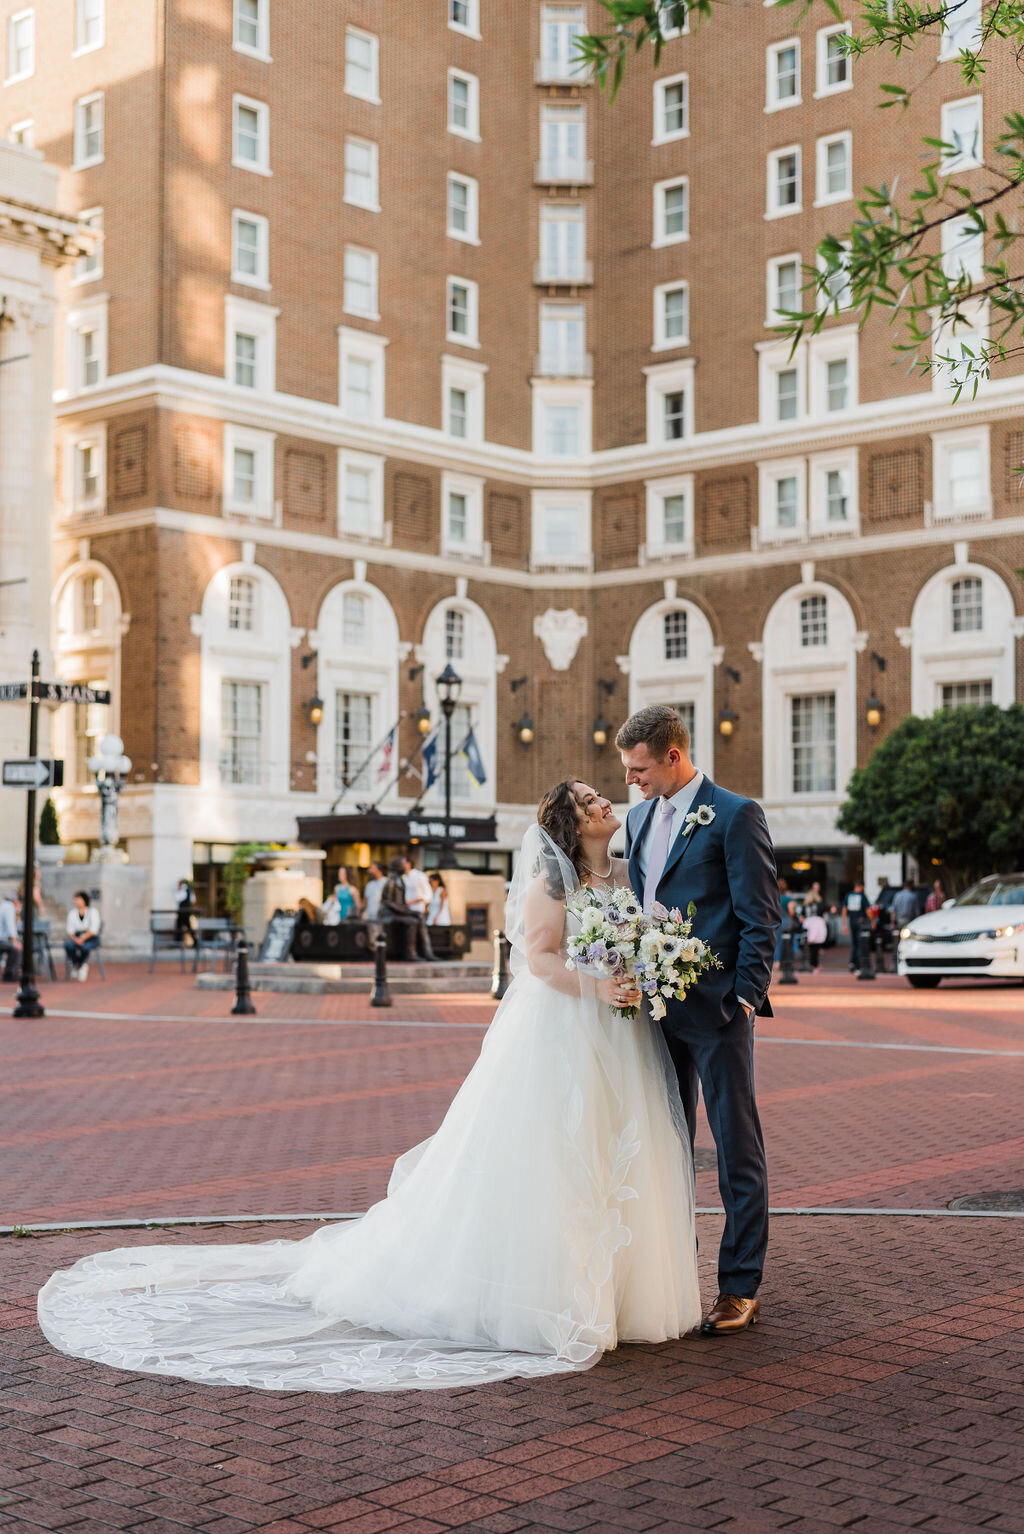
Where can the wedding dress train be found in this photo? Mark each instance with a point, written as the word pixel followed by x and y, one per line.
pixel 548 1219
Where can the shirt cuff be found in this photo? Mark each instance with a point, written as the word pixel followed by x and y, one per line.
pixel 745 1003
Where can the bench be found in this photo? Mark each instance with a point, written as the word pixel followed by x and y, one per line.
pixel 215 935
pixel 166 939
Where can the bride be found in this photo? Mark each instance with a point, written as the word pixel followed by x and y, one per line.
pixel 549 1218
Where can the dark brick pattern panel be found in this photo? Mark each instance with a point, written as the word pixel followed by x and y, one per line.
pixel 130 459
pixel 618 531
pixel 1015 465
pixel 505 528
pixel 193 462
pixel 725 511
pixel 305 484
pixel 412 509
pixel 895 486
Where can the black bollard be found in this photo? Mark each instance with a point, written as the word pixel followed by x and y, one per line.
pixel 867 945
pixel 499 976
pixel 243 996
pixel 788 975
pixel 380 996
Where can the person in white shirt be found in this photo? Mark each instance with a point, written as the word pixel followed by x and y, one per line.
pixel 417 900
pixel 10 941
pixel 438 912
pixel 83 935
pixel 372 891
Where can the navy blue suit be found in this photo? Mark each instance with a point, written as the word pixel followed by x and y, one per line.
pixel 727 869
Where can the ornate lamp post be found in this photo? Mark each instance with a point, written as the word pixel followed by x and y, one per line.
pixel 110 767
pixel 449 685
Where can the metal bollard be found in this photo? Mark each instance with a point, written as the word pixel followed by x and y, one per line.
pixel 499 976
pixel 380 996
pixel 788 972
pixel 243 995
pixel 867 945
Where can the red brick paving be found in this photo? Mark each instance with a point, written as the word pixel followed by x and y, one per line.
pixel 881 1393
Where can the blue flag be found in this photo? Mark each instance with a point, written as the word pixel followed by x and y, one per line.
pixel 474 761
pixel 429 754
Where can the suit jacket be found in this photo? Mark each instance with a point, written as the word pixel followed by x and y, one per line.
pixel 727 869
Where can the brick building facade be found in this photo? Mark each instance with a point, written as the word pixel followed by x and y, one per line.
pixel 401 345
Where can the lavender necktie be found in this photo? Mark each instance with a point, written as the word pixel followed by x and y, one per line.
pixel 661 840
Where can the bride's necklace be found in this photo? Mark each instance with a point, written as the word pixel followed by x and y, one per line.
pixel 596 874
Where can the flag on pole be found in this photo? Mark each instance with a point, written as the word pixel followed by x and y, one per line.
pixel 429 755
pixel 387 753
pixel 474 761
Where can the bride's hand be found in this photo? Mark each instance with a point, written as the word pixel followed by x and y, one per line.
pixel 619 991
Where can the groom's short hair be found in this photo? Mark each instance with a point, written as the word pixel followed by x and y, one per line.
pixel 658 727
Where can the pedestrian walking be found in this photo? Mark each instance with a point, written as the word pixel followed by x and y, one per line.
pixel 906 904
pixel 937 899
pixel 855 920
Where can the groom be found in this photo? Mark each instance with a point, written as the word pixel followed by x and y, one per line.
pixel 692 840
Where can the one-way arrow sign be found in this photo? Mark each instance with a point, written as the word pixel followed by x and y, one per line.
pixel 33 772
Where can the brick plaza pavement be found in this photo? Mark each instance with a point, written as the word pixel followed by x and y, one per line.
pixel 882 1391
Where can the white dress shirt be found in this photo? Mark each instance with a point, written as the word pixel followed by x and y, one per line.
pixel 417 891
pixel 681 803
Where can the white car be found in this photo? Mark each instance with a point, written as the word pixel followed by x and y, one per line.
pixel 981 932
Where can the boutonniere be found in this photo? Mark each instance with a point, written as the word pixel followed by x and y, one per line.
pixel 702 816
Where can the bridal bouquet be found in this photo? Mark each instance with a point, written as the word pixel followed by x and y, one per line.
pixel 616 940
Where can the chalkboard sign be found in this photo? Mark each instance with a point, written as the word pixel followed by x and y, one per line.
pixel 476 921
pixel 277 940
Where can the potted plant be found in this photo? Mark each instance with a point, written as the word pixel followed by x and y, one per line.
pixel 48 847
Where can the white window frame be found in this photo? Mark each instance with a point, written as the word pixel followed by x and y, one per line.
pixel 663 135
pixel 89 317
pixel 562 215
pixel 372 465
pixel 472 546
pixel 663 342
pixel 943 443
pixel 773 316
pixel 670 33
pixel 953 164
pixel 578 394
pixel 819 466
pixel 373 93
pixel 78 504
pixel 261 165
pixel 550 71
pixel 657 491
pixel 846 297
pixel 81 18
pixel 661 236
pixel 23 133
pixel 953 40
pixel 959 235
pixel 822 87
pixel 261 443
pixel 563 169
pixel 774 358
pixel 82 272
pixel 471 27
pixel 82 161
pixel 823 197
pixel 471 235
pixel 372 201
pixel 472 336
pixel 13 21
pixel 472 129
pixel 769 475
pixel 773 102
pixel 373 312
pixel 366 347
pixel 562 362
pixel 262 49
pixel 580 501
pixel 946 337
pixel 245 316
pixel 665 378
pixel 261 277
pixel 460 373
pixel 774 208
pixel 837 344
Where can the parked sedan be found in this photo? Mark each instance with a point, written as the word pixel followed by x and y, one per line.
pixel 981 932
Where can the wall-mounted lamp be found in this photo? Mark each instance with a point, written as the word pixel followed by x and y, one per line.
pixel 727 719
pixel 315 710
pixel 524 729
pixel 600 727
pixel 307 660
pixel 422 718
pixel 874 708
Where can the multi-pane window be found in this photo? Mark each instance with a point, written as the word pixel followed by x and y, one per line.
pixel 87 471
pixel 784 73
pixel 92 361
pixel 353 739
pixel 242 603
pixel 241 732
pixel 563 236
pixel 90 265
pixel 968 615
pixel 671 109
pixel 673 417
pixel 813 621
pixel 559 531
pixel 784 180
pixel 562 429
pixel 361 173
pixel 966 694
pixel 244 470
pixel 357 390
pixel 675 638
pixel 837 495
pixel 837 290
pixel 961 134
pixel 463 201
pixel 461 528
pixel 787 394
pixel 562 340
pixel 91 588
pixel 361 64
pixel 834 62
pixel 463 104
pixel 458 412
pixel 813 743
pixel 964 477
pixel 784 287
pixel 88 130
pixel 787 501
pixel 563 142
pixel 360 281
pixel 462 310
pixel 21 45
pixel 462 723
pixel 675 522
pixel 246 350
pixel 963 249
pixel 250 262
pixel 355 620
pixel 835 168
pixel 671 211
pixel 462 14
pixel 560 26
pixel 961 28
pixel 687 712
pixel 91 723
pixel 454 634
pixel 252 134
pixel 251 31
pixel 88 24
pixel 837 384
pixel 357 515
pixel 672 315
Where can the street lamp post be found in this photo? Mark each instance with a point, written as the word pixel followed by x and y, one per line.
pixel 449 685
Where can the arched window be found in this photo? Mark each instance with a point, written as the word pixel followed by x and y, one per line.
pixel 454 634
pixel 961 638
pixel 357 679
pixel 459 633
pixel 967 605
pixel 89 627
pixel 674 628
pixel 671 660
pixel 355 620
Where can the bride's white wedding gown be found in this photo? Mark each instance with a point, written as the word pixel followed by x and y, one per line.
pixel 548 1219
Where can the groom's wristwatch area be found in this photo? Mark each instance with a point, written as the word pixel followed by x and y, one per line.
pixel 748 1006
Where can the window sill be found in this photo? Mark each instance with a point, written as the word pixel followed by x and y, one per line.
pixel 253 53
pixel 373 101
pixel 674 345
pixel 561 561
pixel 831 200
pixel 477 554
pixel 462 341
pixel 463 239
pixel 250 282
pixel 257 170
pixel 469 135
pixel 79 53
pixel 656 553
pixel 80 282
pixel 368 207
pixel 16 79
pixel 832 90
pixel 661 240
pixel 787 212
pixel 669 138
pixel 379 535
pixel 941 516
pixel 88 164
pixel 360 314
pixel 772 107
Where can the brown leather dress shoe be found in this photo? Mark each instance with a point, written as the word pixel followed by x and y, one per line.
pixel 730 1313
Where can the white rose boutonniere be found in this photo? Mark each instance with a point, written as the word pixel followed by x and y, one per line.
pixel 703 815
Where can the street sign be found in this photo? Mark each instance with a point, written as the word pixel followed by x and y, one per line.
pixel 54 692
pixel 33 772
pixel 11 692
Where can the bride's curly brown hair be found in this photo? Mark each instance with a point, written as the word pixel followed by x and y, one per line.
pixel 557 814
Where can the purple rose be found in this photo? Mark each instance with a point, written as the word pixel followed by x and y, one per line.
pixel 613 957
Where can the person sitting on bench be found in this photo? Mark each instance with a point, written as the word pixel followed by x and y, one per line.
pixel 83 935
